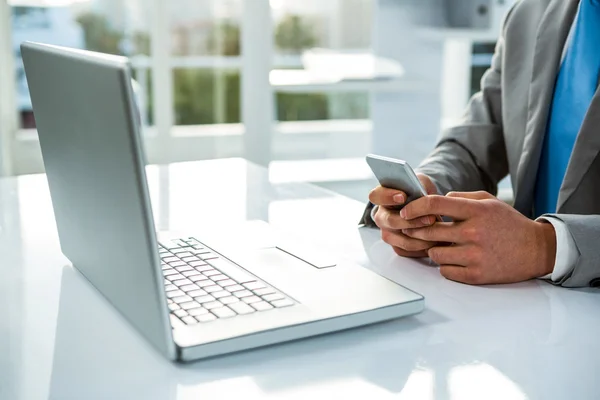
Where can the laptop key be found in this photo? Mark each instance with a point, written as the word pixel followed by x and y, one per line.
pixel 261 306
pixel 235 288
pixel 282 303
pixel 176 322
pixel 197 293
pixel 273 297
pixel 243 293
pixel 219 277
pixel 190 259
pixel 180 313
pixel 184 254
pixel 231 270
pixel 194 242
pixel 229 300
pixel 181 282
pixel 177 264
pixel 198 311
pixel 189 288
pixel 204 299
pixel 251 299
pixel 224 312
pixel 241 308
pixel 174 277
pixel 169 245
pixel 211 272
pixel 170 287
pixel 212 305
pixel 197 263
pixel 213 288
pixel 189 320
pixel 189 305
pixel 197 250
pixel 208 256
pixel 184 268
pixel 174 307
pixel 206 317
pixel 262 292
pixel 193 272
pixel 182 299
pixel 254 285
pixel 169 271
pixel 227 282
pixel 174 294
pixel 197 277
pixel 205 283
pixel 179 250
pixel 169 259
pixel 222 293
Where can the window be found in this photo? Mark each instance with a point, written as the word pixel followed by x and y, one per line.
pixel 307 87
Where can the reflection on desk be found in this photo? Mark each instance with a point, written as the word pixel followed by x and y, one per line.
pixel 60 339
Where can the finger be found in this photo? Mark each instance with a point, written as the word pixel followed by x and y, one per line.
pixel 386 218
pixel 410 254
pixel 441 232
pixel 456 273
pixel 404 242
pixel 463 256
pixel 480 195
pixel 454 207
pixel 387 197
pixel 429 186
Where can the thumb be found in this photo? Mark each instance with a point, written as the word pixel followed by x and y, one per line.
pixel 429 186
pixel 481 195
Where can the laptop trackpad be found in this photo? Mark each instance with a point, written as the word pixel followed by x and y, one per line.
pixel 288 273
pixel 310 256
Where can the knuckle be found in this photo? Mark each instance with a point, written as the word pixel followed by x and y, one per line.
pixel 472 234
pixel 475 257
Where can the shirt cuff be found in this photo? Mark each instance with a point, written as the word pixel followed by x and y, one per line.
pixel 566 250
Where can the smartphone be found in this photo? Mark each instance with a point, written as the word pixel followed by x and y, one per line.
pixel 396 174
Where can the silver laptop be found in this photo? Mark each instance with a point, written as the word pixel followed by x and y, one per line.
pixel 189 299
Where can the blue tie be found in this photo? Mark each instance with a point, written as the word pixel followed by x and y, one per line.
pixel 575 88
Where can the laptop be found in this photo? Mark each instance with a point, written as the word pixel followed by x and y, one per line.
pixel 189 298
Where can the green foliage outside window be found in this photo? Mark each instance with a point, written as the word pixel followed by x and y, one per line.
pixel 205 96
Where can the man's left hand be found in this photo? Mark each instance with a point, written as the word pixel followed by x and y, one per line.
pixel 489 241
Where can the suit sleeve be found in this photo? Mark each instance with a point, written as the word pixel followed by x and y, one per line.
pixel 472 155
pixel 585 231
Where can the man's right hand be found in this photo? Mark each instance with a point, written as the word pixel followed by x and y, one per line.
pixel 391 223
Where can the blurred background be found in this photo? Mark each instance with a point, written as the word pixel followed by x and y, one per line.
pixel 305 87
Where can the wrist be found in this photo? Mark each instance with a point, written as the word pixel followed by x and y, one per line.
pixel 547 248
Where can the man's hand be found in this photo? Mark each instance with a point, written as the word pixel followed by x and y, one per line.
pixel 391 224
pixel 491 241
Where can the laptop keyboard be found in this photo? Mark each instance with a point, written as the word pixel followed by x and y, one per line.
pixel 202 286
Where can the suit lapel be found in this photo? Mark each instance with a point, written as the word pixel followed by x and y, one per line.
pixel 587 146
pixel 551 38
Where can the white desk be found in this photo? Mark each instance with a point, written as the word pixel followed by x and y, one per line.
pixel 60 339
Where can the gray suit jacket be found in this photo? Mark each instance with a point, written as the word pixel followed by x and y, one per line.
pixel 504 125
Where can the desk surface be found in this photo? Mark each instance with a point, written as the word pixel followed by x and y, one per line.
pixel 59 338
